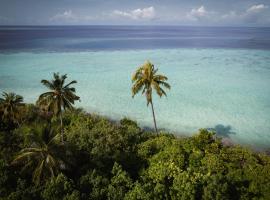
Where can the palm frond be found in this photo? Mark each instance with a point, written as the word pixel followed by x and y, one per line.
pixel 165 84
pixel 137 87
pixel 48 84
pixel 160 78
pixel 72 82
pixel 137 75
pixel 37 173
pixel 21 157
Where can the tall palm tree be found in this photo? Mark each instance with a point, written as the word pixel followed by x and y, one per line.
pixel 10 106
pixel 59 98
pixel 146 79
pixel 43 155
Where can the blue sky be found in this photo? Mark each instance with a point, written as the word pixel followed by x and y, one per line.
pixel 136 12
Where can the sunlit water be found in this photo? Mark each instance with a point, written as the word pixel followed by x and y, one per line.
pixel 225 89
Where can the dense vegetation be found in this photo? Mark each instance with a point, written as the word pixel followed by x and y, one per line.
pixel 90 157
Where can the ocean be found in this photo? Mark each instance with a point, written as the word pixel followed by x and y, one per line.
pixel 220 76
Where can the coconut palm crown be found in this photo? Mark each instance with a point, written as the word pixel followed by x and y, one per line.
pixel 10 106
pixel 146 79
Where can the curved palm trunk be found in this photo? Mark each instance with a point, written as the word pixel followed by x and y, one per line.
pixel 153 112
pixel 62 130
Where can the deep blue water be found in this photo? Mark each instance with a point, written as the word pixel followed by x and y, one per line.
pixel 95 38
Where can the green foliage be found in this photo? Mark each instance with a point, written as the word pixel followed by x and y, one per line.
pixel 216 186
pixel 120 184
pixel 4 176
pixel 10 144
pixel 138 191
pixel 93 185
pixel 154 145
pixel 60 187
pixel 118 160
pixel 24 191
pixel 166 164
pixel 105 142
pixel 187 185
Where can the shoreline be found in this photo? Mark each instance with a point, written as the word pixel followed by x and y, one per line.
pixel 226 140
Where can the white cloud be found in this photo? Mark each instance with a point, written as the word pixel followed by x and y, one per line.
pixel 198 14
pixel 67 15
pixel 229 16
pixel 254 14
pixel 256 8
pixel 144 13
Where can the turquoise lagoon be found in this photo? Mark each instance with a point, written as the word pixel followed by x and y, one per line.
pixel 223 89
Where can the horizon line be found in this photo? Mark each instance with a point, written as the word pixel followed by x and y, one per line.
pixel 136 25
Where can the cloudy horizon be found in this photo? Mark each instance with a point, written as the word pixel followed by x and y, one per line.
pixel 141 12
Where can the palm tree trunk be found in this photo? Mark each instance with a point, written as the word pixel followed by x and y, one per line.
pixel 62 130
pixel 153 112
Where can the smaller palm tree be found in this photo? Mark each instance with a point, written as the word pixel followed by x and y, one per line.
pixel 59 98
pixel 44 154
pixel 146 79
pixel 10 106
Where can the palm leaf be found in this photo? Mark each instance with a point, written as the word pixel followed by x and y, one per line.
pixel 38 172
pixel 48 84
pixel 72 82
pixel 165 84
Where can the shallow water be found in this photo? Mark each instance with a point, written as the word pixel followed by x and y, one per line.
pixel 225 89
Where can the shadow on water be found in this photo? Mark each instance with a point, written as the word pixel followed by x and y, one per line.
pixel 150 129
pixel 222 131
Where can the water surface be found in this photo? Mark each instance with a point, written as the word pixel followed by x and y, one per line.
pixel 220 78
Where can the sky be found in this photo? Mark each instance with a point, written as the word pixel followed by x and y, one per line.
pixel 136 12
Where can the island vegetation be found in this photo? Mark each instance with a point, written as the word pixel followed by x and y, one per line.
pixel 51 150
